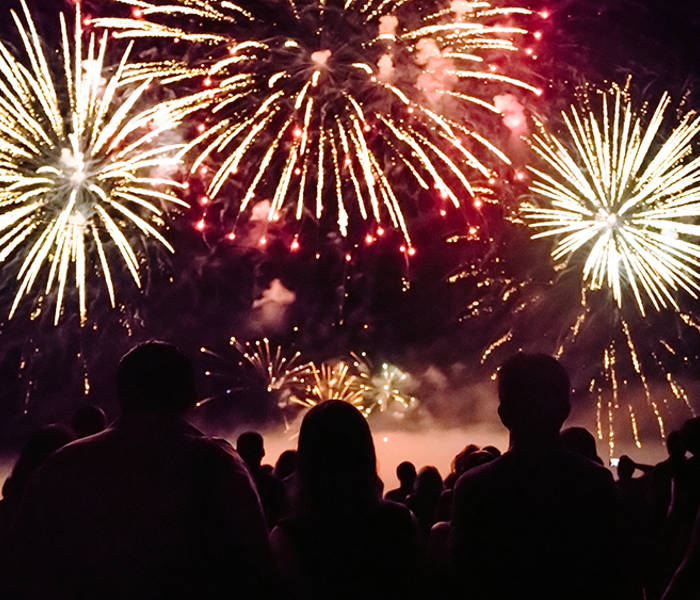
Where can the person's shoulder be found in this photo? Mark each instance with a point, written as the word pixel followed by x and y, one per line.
pixel 482 474
pixel 80 449
pixel 394 495
pixel 389 510
pixel 584 467
pixel 215 450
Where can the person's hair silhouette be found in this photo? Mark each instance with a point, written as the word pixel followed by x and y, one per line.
pixel 406 474
pixel 251 448
pixel 341 521
pixel 88 420
pixel 581 441
pixel 533 393
pixel 337 463
pixel 41 444
pixel 286 464
pixel 156 377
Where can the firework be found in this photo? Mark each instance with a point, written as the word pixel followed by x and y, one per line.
pixel 280 372
pixel 327 102
pixel 388 387
pixel 78 180
pixel 333 381
pixel 622 200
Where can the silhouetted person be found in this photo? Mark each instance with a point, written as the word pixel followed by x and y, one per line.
pixel 286 464
pixel 662 477
pixel 251 448
pixel 463 464
pixel 538 521
pixel 663 482
pixel 88 420
pixel 147 509
pixel 634 525
pixel 425 499
pixel 438 548
pixel 406 473
pixel 580 441
pixel 286 472
pixel 344 542
pixel 685 501
pixel 456 465
pixel 685 584
pixel 495 452
pixel 38 448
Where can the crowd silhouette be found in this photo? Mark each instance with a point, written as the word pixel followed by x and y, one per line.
pixel 148 507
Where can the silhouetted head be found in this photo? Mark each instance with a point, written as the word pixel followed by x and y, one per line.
pixel 428 483
pixel 337 462
pixel 157 378
pixel 286 464
pixel 475 459
pixel 533 390
pixel 88 420
pixel 458 460
pixel 691 435
pixel 495 452
pixel 625 468
pixel 38 448
pixel 675 445
pixel 580 441
pixel 406 472
pixel 251 448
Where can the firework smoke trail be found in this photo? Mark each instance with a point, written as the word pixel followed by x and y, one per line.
pixel 76 158
pixel 329 100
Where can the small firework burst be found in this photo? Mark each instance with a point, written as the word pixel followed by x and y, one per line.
pixel 388 386
pixel 333 381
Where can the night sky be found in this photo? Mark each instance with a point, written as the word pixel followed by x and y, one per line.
pixel 400 310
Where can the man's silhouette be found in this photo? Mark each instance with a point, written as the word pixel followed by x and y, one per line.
pixel 406 473
pixel 251 449
pixel 538 521
pixel 149 508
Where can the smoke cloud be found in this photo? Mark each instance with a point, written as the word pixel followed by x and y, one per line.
pixel 270 310
pixel 388 25
pixel 512 112
pixel 436 72
pixel 386 68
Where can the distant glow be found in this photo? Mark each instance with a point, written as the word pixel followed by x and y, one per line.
pixel 81 178
pixel 623 198
pixel 327 103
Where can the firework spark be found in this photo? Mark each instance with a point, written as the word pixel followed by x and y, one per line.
pixel 331 100
pixel 388 387
pixel 333 381
pixel 78 164
pixel 281 373
pixel 624 197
